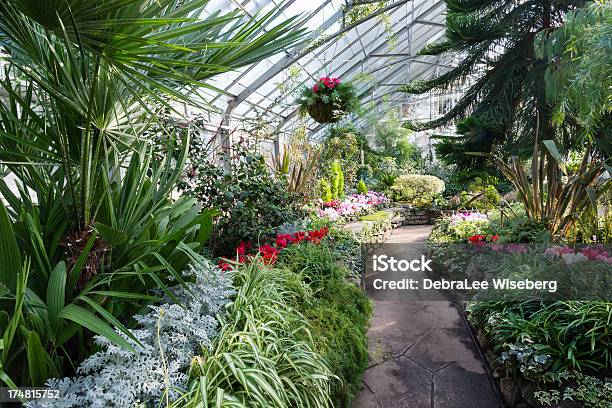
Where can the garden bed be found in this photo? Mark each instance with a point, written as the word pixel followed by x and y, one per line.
pixel 546 351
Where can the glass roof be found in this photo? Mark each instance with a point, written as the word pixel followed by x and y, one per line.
pixel 376 51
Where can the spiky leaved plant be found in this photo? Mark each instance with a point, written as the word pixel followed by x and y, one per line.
pixel 505 98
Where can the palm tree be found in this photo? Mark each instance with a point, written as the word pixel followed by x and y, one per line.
pixel 505 103
pixel 92 221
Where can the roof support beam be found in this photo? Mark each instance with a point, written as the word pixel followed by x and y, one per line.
pixel 432 23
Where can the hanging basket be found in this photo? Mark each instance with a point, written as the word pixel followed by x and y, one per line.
pixel 324 112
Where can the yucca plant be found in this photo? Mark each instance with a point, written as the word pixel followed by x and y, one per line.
pixel 299 168
pixel 92 286
pixel 550 193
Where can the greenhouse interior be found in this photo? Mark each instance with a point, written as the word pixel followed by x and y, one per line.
pixel 292 203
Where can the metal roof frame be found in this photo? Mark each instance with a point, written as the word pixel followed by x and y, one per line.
pixel 415 22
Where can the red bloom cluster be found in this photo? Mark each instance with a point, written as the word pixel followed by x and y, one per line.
pixel 326 83
pixel 481 239
pixel 317 235
pixel 269 252
pixel 282 240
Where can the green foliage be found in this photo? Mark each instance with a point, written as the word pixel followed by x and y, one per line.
pixel 338 311
pixel 575 335
pixel 361 187
pixel 72 120
pixel 457 181
pixel 298 165
pixel 391 140
pixel 409 156
pixel 385 171
pixel 78 283
pixel 505 102
pixel 264 355
pixel 348 249
pixel 337 180
pixel 417 190
pixel 575 386
pixel 252 201
pixel 578 77
pixel 377 216
pixel 549 197
pixel 95 233
pixel 326 192
pixel 481 194
pixel 342 144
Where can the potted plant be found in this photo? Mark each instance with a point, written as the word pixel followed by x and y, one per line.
pixel 328 100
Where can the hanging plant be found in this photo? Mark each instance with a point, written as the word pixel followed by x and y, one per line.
pixel 328 100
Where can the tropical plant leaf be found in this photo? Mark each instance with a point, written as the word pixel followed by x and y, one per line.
pixel 56 294
pixel 10 256
pixel 90 321
pixel 37 359
pixel 110 235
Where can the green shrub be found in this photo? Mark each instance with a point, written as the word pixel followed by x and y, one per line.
pixel 566 334
pixel 361 187
pixel 481 194
pixel 337 180
pixel 252 201
pixel 326 193
pixel 338 312
pixel 347 248
pixel 417 190
pixel 385 171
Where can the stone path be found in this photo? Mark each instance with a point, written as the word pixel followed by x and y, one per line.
pixel 421 352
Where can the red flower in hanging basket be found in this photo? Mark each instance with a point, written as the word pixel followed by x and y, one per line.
pixel 328 100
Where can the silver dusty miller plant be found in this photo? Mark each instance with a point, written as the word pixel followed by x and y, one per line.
pixel 169 335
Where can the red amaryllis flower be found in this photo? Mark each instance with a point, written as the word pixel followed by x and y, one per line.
pixel 494 238
pixel 268 253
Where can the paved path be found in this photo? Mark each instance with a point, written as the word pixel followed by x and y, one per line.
pixel 421 352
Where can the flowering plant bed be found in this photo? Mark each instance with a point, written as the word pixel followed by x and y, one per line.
pixel 351 207
pixel 544 346
pixel 268 252
pixel 328 100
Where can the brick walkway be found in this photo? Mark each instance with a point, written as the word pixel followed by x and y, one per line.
pixel 421 352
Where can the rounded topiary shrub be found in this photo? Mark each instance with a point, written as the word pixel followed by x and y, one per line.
pixel 417 190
